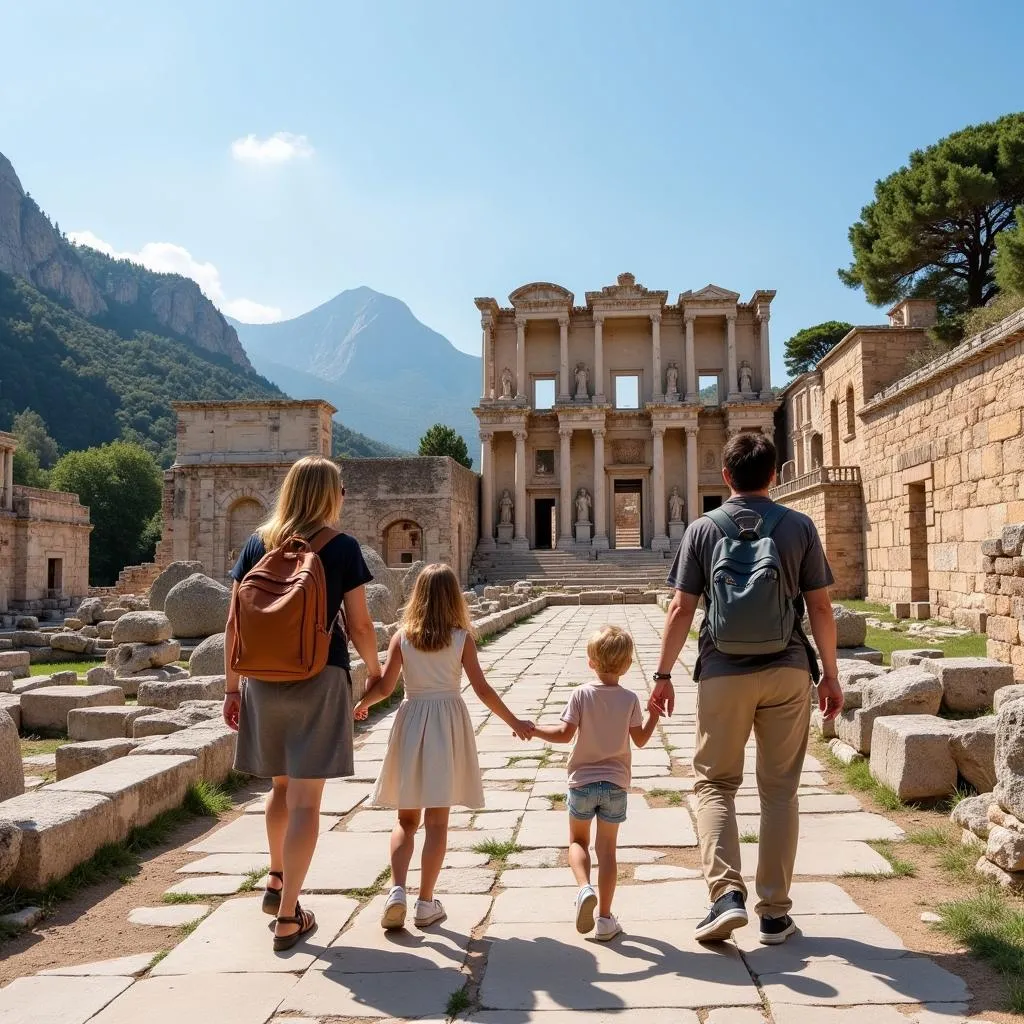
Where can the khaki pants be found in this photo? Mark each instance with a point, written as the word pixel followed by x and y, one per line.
pixel 775 703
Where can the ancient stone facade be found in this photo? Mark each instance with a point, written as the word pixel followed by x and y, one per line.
pixel 1003 566
pixel 231 460
pixel 614 412
pixel 409 510
pixel 44 543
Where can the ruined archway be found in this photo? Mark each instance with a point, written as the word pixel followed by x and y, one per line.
pixel 403 543
pixel 243 518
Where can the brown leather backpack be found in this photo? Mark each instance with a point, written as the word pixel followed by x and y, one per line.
pixel 281 632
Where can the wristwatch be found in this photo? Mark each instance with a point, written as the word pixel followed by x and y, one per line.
pixel 662 676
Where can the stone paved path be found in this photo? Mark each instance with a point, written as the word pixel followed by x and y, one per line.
pixel 509 935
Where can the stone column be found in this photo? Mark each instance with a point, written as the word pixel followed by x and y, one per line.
pixel 564 394
pixel 520 358
pixel 657 391
pixel 691 361
pixel 9 478
pixel 565 538
pixel 660 541
pixel 487 489
pixel 520 540
pixel 691 474
pixel 485 363
pixel 766 360
pixel 599 358
pixel 600 526
pixel 732 391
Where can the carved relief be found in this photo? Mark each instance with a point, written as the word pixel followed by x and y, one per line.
pixel 628 451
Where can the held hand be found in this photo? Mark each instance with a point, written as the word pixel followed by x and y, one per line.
pixel 830 697
pixel 663 699
pixel 361 712
pixel 231 710
pixel 523 729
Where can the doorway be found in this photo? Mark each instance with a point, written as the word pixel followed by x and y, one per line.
pixel 55 577
pixel 628 514
pixel 710 501
pixel 918 528
pixel 544 523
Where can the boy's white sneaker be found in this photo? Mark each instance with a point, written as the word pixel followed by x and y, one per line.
pixel 607 928
pixel 394 909
pixel 586 903
pixel 429 912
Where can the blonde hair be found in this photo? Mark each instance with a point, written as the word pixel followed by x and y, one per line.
pixel 436 609
pixel 310 498
pixel 611 650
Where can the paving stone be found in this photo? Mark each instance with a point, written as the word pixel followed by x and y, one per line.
pixel 536 878
pixel 57 1000
pixel 857 825
pixel 171 916
pixel 533 967
pixel 457 880
pixel 940 1013
pixel 495 819
pixel 340 797
pixel 645 1016
pixel 539 858
pixel 227 864
pixel 468 839
pixel 247 834
pixel 209 885
pixel 235 939
pixel 663 827
pixel 122 967
pixel 661 873
pixel 224 998
pixel 346 860
pixel 824 857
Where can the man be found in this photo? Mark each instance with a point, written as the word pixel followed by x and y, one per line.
pixel 737 693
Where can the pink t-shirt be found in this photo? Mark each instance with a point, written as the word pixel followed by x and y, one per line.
pixel 603 716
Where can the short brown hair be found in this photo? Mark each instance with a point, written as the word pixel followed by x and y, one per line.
pixel 611 650
pixel 435 610
pixel 750 459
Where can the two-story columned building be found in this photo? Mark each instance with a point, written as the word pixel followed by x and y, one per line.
pixel 602 425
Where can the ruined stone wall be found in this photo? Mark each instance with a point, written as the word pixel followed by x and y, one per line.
pixel 1003 566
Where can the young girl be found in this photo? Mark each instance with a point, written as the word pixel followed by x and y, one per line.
pixel 431 763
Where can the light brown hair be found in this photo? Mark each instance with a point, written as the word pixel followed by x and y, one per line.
pixel 436 609
pixel 750 460
pixel 611 650
pixel 310 498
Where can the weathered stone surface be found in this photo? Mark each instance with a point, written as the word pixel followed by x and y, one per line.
pixel 384 575
pixel 904 691
pixel 170 577
pixel 6 682
pixel 911 755
pixel 598 597
pixel 46 710
pixel 411 576
pixel 90 611
pixel 30 638
pixel 997 816
pixel 58 831
pixel 101 675
pixel 128 659
pixel 844 752
pixel 973 745
pixel 49 1000
pixel 26 622
pixel 1012 539
pixel 171 695
pixel 74 758
pixel 969 684
pixel 825 729
pixel 211 743
pixel 104 723
pixel 142 628
pixel 11 703
pixel 914 656
pixel 15 662
pixel 1009 791
pixel 105 630
pixel 73 623
pixel 10 848
pixel 1003 695
pixel 851 627
pixel 12 778
pixel 162 723
pixel 853 676
pixel 113 613
pixel 197 606
pixel 1013 881
pixel 208 658
pixel 971 813
pixel 175 916
pixel 1005 848
pixel 90 631
pixel 381 603
pixel 75 643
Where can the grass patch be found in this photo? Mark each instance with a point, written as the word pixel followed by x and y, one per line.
pixel 33 746
pixel 252 877
pixel 499 850
pixel 157 957
pixel 959 860
pixel 971 645
pixel 872 608
pixel 994 932
pixel 175 898
pixel 556 800
pixel 900 868
pixel 932 838
pixel 206 800
pixel 458 1001
pixel 187 929
pixel 370 891
pixel 858 777
pixel 81 667
pixel 748 837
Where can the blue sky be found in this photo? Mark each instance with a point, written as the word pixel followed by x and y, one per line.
pixel 438 151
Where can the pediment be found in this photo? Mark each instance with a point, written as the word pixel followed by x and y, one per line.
pixel 710 293
pixel 626 291
pixel 541 293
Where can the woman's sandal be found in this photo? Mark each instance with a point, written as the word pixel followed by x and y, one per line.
pixel 305 919
pixel 272 897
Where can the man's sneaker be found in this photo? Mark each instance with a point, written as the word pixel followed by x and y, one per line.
pixel 727 914
pixel 429 912
pixel 775 930
pixel 607 928
pixel 394 909
pixel 586 903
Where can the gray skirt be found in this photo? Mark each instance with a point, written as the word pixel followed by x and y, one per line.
pixel 302 730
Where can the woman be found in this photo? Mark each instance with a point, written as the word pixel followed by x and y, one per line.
pixel 300 734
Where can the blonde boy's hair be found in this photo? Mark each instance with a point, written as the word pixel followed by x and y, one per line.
pixel 611 650
pixel 436 609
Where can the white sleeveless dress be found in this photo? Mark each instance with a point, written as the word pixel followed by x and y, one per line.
pixel 431 760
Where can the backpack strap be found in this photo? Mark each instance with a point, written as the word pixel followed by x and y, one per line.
pixel 322 538
pixel 724 522
pixel 771 519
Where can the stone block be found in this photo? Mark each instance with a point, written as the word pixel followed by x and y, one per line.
pixel 6 682
pixel 911 755
pixel 920 610
pixel 900 609
pixel 1009 791
pixel 601 597
pixel 31 683
pixel 64 679
pixel 74 758
pixel 1004 628
pixel 10 848
pixel 171 695
pixel 853 675
pixel 208 658
pixel 1005 848
pixel 212 744
pixel 971 814
pixel 12 777
pixel 1012 539
pixel 129 659
pixel 1003 695
pixel 969 684
pixel 170 577
pixel 851 627
pixel 914 656
pixel 26 622
pixel 105 630
pixel 45 710
pixel 101 675
pixel 73 623
pixel 826 729
pixel 139 788
pixel 15 662
pixel 197 606
pixel 104 723
pixel 90 610
pixel 113 613
pixel 30 638
pixel 1013 881
pixel 845 752
pixel 11 703
pixel 59 830
pixel 973 745
pixel 150 627
pixel 162 723
pixel 74 643
pixel 974 619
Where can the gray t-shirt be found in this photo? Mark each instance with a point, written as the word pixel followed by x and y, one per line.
pixel 804 568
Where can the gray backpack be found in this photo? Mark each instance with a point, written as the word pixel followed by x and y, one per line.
pixel 747 609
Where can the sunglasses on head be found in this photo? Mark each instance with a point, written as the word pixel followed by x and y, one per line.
pixel 343 490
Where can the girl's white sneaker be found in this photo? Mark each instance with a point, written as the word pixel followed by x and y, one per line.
pixel 394 909
pixel 607 928
pixel 429 912
pixel 586 903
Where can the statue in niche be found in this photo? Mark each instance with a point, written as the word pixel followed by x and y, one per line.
pixel 675 506
pixel 506 386
pixel 506 508
pixel 582 381
pixel 746 378
pixel 709 459
pixel 672 379
pixel 583 505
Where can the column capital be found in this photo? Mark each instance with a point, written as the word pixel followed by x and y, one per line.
pixel 486 436
pixel 764 317
pixel 658 429
pixel 731 317
pixel 691 431
pixel 520 322
pixel 565 431
pixel 598 431
pixel 689 316
pixel 599 318
pixel 656 318
pixel 519 433
pixel 563 321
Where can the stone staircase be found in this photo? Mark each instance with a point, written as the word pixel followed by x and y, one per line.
pixel 636 569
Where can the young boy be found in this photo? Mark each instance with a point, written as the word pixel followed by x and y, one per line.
pixel 606 717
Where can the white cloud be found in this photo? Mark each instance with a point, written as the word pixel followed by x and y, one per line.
pixel 168 258
pixel 278 148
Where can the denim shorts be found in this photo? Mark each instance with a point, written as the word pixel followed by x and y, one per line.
pixel 604 799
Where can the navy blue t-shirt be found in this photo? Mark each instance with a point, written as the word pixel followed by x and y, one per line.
pixel 344 570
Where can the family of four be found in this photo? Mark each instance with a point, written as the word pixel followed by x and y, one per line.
pixel 756 566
